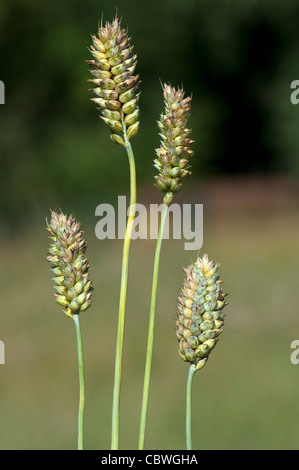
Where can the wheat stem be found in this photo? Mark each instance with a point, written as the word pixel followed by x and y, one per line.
pixel 122 301
pixel 191 373
pixel 81 381
pixel 150 340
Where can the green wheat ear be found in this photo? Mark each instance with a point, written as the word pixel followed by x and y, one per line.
pixel 69 265
pixel 200 320
pixel 115 84
pixel 175 146
pixel 72 286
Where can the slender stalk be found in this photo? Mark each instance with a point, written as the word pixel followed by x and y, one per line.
pixel 81 381
pixel 150 339
pixel 122 302
pixel 191 373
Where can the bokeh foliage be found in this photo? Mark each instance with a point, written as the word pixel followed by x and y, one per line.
pixel 237 57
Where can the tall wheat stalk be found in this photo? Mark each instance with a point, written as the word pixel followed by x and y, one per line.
pixel 122 304
pixel 115 87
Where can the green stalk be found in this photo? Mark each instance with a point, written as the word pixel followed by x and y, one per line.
pixel 150 339
pixel 81 381
pixel 191 373
pixel 122 302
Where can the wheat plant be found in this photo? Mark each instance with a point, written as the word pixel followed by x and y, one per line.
pixel 115 87
pixel 72 285
pixel 172 164
pixel 200 321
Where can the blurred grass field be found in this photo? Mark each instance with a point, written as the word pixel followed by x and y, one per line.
pixel 246 396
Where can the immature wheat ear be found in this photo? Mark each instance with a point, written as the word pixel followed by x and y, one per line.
pixel 115 85
pixel 200 316
pixel 69 265
pixel 174 151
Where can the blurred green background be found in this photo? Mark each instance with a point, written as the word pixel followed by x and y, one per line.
pixel 238 59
